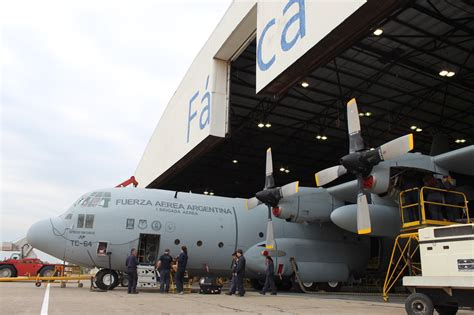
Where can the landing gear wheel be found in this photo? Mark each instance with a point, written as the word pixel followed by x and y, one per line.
pixel 124 281
pixel 310 286
pixel 446 310
pixel 332 286
pixel 419 304
pixel 256 284
pixel 7 271
pixel 47 271
pixel 106 279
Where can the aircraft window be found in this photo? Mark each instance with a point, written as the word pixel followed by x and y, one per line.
pixel 260 234
pixel 220 245
pixel 80 221
pixel 89 221
pixel 199 243
pixel 68 217
pixel 176 242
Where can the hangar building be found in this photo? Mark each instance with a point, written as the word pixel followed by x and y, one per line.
pixel 279 74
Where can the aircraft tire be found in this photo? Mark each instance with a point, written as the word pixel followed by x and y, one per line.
pixel 7 271
pixel 310 286
pixel 47 271
pixel 102 279
pixel 124 281
pixel 332 286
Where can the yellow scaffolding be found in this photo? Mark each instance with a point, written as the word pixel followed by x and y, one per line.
pixel 450 207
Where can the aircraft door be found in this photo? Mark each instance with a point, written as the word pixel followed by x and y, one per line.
pixel 148 248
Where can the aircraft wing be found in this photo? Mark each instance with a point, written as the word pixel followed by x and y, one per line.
pixel 459 161
pixel 346 191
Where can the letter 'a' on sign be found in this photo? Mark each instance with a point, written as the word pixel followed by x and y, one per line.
pixel 287 29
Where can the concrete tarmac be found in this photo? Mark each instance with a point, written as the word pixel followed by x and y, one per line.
pixel 25 298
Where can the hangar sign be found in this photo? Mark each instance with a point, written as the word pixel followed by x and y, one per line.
pixel 287 29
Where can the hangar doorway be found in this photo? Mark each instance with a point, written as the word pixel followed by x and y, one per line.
pixel 396 78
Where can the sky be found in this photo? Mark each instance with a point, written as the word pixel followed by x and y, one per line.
pixel 83 85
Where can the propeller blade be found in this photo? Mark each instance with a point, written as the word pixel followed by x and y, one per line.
pixel 252 203
pixel 290 189
pixel 356 143
pixel 269 181
pixel 363 216
pixel 396 148
pixel 270 242
pixel 328 175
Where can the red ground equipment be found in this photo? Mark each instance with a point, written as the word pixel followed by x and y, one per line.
pixel 12 267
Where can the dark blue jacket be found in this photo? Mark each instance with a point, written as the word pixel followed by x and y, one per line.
pixel 131 262
pixel 166 261
pixel 240 269
pixel 182 261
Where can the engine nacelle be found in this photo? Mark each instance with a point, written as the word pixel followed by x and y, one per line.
pixel 309 205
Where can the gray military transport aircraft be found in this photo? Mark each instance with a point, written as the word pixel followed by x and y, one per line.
pixel 317 228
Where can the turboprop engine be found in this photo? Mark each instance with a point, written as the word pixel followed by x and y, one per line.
pixel 309 205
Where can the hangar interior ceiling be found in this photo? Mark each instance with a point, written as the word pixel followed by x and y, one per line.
pixel 395 77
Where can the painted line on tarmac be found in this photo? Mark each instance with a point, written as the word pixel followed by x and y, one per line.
pixel 44 307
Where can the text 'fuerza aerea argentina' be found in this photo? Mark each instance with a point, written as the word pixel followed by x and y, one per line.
pixel 170 206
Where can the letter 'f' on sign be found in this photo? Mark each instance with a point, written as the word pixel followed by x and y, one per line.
pixel 204 108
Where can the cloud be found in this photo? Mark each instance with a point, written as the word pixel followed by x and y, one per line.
pixel 84 84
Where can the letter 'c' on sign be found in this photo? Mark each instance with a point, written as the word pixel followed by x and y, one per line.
pixel 261 64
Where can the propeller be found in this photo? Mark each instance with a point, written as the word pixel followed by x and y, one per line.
pixel 361 161
pixel 271 196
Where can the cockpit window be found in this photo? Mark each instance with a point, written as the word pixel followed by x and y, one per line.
pixel 80 221
pixel 68 217
pixel 89 221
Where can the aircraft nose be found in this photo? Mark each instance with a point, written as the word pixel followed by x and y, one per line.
pixel 45 235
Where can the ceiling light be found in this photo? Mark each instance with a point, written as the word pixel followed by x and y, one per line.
pixel 304 84
pixel 206 192
pixel 378 32
pixel 463 140
pixel 211 193
pixel 460 140
pixel 282 169
pixel 361 114
pixel 372 149
pixel 368 114
pixel 324 138
pixel 260 125
pixel 443 73
pixel 268 125
pixel 287 171
pixel 418 130
pixel 318 137
pixel 413 127
pixel 450 74
pixel 235 161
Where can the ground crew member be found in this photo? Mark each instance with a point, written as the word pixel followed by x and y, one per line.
pixel 182 261
pixel 233 278
pixel 164 267
pixel 269 277
pixel 131 264
pixel 240 271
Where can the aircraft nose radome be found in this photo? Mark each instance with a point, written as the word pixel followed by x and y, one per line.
pixel 38 234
